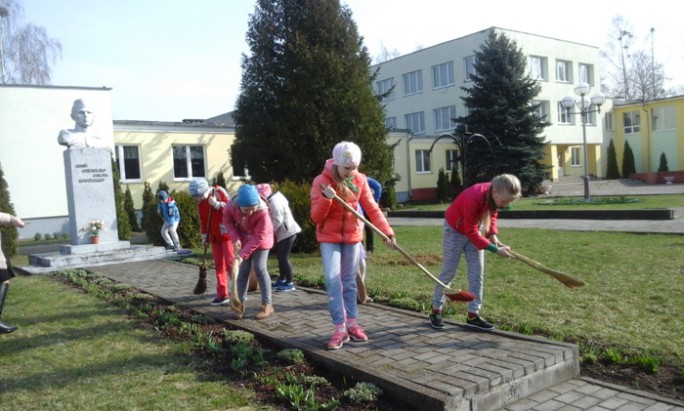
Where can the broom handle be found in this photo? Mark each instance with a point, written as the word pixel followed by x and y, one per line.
pixel 206 243
pixel 397 246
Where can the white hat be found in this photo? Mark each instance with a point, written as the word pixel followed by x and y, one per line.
pixel 346 154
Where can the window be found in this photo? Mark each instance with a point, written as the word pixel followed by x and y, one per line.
pixel 563 71
pixel 575 156
pixel 386 89
pixel 631 122
pixel 451 159
pixel 591 115
pixel 443 75
pixel 663 118
pixel 563 114
pixel 422 161
pixel 469 67
pixel 413 82
pixel 443 118
pixel 188 161
pixel 608 121
pixel 415 122
pixel 391 122
pixel 541 108
pixel 128 161
pixel 585 73
pixel 537 68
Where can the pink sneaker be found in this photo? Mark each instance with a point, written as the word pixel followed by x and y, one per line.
pixel 356 333
pixel 337 340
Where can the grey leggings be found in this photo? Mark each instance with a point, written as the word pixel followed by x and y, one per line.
pixel 454 244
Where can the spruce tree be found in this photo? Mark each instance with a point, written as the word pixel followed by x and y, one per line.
pixel 306 86
pixel 628 166
pixel 612 171
pixel 9 233
pixel 129 206
pixel 443 189
pixel 455 182
pixel 500 106
pixel 662 167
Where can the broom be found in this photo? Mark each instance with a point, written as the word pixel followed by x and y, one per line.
pixel 565 279
pixel 450 293
pixel 201 286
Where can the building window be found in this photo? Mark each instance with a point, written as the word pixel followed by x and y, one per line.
pixel 537 68
pixel 386 89
pixel 585 73
pixel 413 82
pixel 541 108
pixel 575 156
pixel 391 122
pixel 469 67
pixel 451 159
pixel 663 118
pixel 128 161
pixel 188 162
pixel 563 114
pixel 443 118
pixel 608 121
pixel 443 75
pixel 422 161
pixel 563 71
pixel 631 122
pixel 415 122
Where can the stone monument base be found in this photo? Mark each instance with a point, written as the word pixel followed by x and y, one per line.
pixel 93 248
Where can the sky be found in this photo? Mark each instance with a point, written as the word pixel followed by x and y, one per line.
pixel 169 60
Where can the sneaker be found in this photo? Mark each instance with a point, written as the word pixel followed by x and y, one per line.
pixel 480 323
pixel 169 247
pixel 436 321
pixel 356 333
pixel 220 301
pixel 286 287
pixel 278 283
pixel 337 340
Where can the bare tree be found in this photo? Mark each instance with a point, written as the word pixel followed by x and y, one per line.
pixel 26 52
pixel 385 55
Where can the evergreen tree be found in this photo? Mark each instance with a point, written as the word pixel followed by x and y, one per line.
pixel 151 221
pixel 443 186
pixel 9 233
pixel 219 180
pixel 500 106
pixel 612 171
pixel 129 206
pixel 662 167
pixel 628 166
pixel 188 228
pixel 122 225
pixel 455 182
pixel 305 87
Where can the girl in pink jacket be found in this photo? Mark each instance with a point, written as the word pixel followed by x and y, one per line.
pixel 339 233
pixel 249 226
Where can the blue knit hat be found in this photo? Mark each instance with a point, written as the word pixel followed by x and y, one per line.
pixel 247 196
pixel 197 187
pixel 162 196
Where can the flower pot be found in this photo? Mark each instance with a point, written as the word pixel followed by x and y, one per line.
pixel 95 239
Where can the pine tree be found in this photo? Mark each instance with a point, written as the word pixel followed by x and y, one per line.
pixel 9 233
pixel 612 171
pixel 628 166
pixel 500 106
pixel 662 167
pixel 305 87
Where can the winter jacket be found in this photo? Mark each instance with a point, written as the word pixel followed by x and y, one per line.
pixel 334 222
pixel 168 211
pixel 466 211
pixel 217 231
pixel 284 223
pixel 254 232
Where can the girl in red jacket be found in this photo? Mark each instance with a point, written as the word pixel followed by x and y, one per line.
pixel 470 228
pixel 339 233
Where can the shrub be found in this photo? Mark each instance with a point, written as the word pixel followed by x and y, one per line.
pixel 189 226
pixel 291 356
pixel 299 197
pixel 122 225
pixel 662 167
pixel 362 392
pixel 38 236
pixel 129 206
pixel 612 171
pixel 9 233
pixel 628 166
pixel 443 186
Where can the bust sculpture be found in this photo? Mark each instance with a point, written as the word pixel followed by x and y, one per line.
pixel 82 135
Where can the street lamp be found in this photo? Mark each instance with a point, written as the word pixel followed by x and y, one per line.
pixel 582 89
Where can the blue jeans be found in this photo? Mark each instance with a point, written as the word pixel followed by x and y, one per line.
pixel 339 269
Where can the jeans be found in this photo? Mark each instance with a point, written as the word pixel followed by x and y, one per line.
pixel 339 268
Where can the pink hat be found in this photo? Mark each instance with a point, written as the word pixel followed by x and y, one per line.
pixel 264 189
pixel 346 154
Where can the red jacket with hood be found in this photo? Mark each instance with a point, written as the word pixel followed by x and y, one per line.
pixel 466 211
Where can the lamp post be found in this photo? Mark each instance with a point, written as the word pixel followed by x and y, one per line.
pixel 582 90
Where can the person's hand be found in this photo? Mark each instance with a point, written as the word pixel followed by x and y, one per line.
pixel 391 242
pixel 212 201
pixel 504 252
pixel 204 239
pixel 237 260
pixel 237 245
pixel 17 222
pixel 328 192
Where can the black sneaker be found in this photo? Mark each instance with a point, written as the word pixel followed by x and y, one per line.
pixel 479 322
pixel 169 248
pixel 436 321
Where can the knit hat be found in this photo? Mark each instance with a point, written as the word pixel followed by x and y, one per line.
pixel 247 196
pixel 264 189
pixel 162 196
pixel 346 154
pixel 198 187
